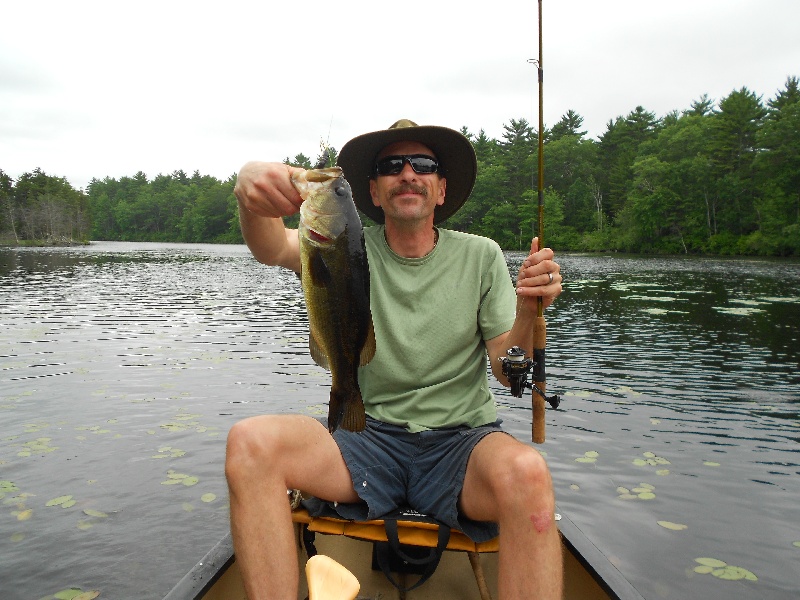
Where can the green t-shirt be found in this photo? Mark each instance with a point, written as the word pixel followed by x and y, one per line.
pixel 431 317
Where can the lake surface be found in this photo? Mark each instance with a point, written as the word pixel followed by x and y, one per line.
pixel 122 367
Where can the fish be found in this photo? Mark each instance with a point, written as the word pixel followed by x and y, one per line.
pixel 334 273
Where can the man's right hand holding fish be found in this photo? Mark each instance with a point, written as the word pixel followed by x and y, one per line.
pixel 440 301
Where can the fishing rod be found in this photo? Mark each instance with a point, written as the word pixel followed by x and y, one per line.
pixel 516 365
pixel 539 325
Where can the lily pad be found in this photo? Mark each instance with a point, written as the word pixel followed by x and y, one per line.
pixel 644 491
pixel 711 562
pixel 68 594
pixel 672 526
pixel 61 501
pixel 24 515
pixel 209 497
pixel 723 570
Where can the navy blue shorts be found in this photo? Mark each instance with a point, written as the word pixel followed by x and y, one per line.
pixel 391 468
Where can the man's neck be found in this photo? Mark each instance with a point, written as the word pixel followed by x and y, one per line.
pixel 412 241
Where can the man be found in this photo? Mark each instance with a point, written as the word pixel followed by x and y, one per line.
pixel 440 301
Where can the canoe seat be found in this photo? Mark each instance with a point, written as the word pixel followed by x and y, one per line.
pixel 416 530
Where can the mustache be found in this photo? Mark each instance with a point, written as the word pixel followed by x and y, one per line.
pixel 405 188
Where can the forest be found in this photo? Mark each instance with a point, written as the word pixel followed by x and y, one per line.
pixel 716 178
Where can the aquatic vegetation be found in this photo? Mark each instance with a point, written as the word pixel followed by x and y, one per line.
pixel 672 526
pixel 186 422
pixel 623 389
pixel 35 427
pixel 7 487
pixel 174 478
pixel 650 459
pixel 96 516
pixel 722 570
pixel 74 593
pixel 62 501
pixel 169 452
pixel 18 501
pixel 588 457
pixel 743 311
pixel 644 491
pixel 38 446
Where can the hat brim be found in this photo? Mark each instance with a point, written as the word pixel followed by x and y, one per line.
pixel 453 150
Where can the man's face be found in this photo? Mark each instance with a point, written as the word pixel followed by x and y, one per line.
pixel 407 196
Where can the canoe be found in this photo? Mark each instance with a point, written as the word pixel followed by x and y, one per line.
pixel 588 573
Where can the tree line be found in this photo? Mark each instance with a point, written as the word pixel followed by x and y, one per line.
pixel 717 178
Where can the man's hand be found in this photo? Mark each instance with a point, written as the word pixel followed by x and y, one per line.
pixel 265 189
pixel 539 275
pixel 266 194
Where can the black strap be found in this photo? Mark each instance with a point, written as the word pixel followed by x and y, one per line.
pixel 309 537
pixel 428 563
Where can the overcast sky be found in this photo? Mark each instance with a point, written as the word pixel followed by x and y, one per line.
pixel 96 89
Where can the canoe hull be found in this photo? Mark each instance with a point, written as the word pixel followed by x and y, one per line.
pixel 217 576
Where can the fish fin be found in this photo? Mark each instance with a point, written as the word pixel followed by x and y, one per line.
pixel 317 353
pixel 346 411
pixel 318 269
pixel 368 349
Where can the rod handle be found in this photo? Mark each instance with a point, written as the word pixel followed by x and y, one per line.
pixel 539 342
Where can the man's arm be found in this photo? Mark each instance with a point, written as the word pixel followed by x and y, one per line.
pixel 266 194
pixel 533 281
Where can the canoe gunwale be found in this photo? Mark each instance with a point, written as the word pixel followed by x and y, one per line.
pixel 596 563
pixel 202 577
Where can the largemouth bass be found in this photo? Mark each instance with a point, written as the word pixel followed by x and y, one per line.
pixel 335 278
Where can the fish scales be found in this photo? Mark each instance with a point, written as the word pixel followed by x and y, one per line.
pixel 335 279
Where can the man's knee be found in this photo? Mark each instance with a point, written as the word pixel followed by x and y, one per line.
pixel 526 479
pixel 250 443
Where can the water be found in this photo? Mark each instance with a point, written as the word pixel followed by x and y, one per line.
pixel 122 366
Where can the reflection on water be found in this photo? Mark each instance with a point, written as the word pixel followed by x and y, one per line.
pixel 122 367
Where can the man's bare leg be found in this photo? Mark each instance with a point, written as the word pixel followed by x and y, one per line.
pixel 267 455
pixel 509 482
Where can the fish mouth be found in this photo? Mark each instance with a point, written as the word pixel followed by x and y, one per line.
pixel 322 175
pixel 316 236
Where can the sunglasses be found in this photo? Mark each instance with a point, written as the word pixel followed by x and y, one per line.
pixel 392 165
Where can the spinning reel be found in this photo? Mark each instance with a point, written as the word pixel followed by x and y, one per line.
pixel 516 366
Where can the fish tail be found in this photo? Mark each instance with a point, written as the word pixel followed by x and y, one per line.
pixel 346 410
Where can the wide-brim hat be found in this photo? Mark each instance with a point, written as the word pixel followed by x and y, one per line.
pixel 453 150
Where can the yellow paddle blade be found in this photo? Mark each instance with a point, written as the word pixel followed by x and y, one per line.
pixel 328 580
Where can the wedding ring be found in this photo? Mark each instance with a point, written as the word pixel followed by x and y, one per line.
pixel 550 275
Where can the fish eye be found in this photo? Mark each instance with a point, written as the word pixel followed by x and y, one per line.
pixel 340 191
